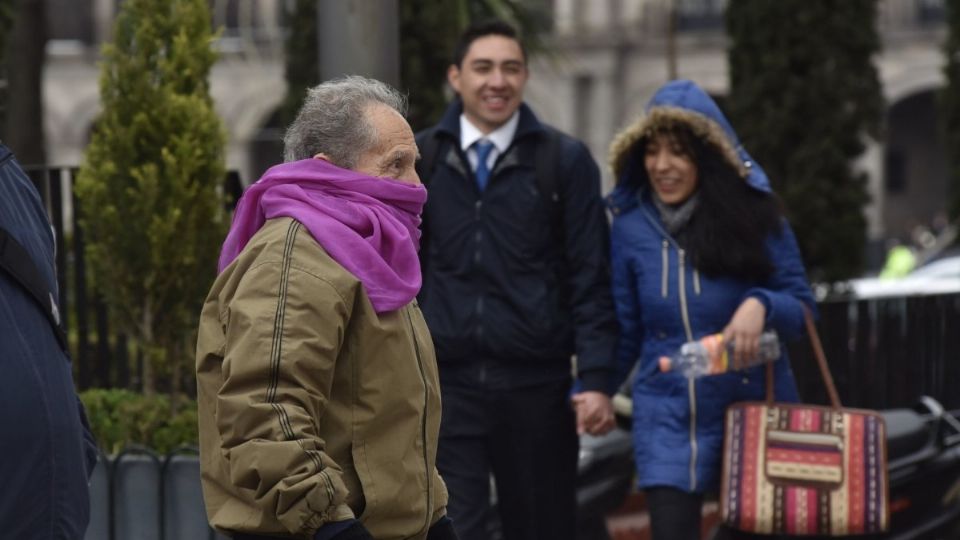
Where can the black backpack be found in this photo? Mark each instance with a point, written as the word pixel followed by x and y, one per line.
pixel 16 261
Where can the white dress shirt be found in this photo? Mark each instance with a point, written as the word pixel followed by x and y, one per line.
pixel 500 137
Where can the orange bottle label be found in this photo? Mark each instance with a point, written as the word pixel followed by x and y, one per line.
pixel 718 358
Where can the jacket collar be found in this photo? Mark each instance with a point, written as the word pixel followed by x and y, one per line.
pixel 449 124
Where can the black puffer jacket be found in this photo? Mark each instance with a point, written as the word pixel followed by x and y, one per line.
pixel 501 282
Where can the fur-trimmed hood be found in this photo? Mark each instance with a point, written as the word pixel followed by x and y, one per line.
pixel 685 102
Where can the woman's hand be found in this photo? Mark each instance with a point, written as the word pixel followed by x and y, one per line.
pixel 744 329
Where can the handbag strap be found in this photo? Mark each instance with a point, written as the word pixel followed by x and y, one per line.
pixel 821 362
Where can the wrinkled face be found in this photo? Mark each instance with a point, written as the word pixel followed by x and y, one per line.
pixel 490 81
pixel 395 153
pixel 672 172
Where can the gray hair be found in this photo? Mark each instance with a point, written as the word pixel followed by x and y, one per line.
pixel 333 120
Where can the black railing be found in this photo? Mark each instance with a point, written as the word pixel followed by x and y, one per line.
pixel 102 355
pixel 886 352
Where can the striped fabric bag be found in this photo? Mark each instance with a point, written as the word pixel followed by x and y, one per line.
pixel 804 469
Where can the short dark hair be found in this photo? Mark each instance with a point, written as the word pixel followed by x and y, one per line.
pixel 477 30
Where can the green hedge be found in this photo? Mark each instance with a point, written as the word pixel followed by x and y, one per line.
pixel 120 417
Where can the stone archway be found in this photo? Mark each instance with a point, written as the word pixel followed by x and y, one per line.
pixel 245 110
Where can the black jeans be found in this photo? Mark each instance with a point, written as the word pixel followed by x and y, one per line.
pixel 527 438
pixel 676 515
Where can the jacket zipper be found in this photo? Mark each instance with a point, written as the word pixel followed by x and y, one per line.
pixel 691 388
pixel 665 257
pixel 423 421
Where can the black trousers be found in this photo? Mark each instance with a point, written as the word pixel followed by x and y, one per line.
pixel 527 439
pixel 676 515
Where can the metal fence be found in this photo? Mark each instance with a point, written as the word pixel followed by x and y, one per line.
pixel 886 352
pixel 139 495
pixel 102 355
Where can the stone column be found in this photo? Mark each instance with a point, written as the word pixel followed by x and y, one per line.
pixel 359 37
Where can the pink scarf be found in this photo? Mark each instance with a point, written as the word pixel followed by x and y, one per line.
pixel 369 225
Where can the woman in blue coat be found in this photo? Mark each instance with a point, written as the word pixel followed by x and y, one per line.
pixel 699 246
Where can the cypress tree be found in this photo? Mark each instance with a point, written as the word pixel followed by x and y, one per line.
pixel 302 68
pixel 804 94
pixel 950 103
pixel 150 185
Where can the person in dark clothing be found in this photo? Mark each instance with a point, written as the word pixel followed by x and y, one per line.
pixel 47 452
pixel 516 281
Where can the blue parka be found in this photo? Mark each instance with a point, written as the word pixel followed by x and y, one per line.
pixel 663 301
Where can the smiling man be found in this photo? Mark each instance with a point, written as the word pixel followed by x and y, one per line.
pixel 317 385
pixel 515 283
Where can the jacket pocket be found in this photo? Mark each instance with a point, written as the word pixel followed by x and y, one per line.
pixel 367 483
pixel 527 222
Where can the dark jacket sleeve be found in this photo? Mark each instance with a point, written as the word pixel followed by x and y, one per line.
pixel 588 278
pixel 627 300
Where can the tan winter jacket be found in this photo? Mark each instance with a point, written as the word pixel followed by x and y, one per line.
pixel 312 407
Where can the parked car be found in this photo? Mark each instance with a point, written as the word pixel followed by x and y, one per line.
pixel 939 276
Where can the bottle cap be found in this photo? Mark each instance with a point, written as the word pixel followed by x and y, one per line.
pixel 664 362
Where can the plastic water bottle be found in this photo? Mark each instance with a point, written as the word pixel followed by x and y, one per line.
pixel 711 355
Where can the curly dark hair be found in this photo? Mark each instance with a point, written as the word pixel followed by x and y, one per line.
pixel 727 233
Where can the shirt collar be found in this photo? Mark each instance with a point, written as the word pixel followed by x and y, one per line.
pixel 500 137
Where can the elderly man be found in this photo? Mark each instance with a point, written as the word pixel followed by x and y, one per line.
pixel 318 393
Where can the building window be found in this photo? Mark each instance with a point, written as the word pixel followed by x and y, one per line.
pixel 70 20
pixel 699 14
pixel 896 172
pixel 930 12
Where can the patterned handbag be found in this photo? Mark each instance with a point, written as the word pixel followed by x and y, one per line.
pixel 804 469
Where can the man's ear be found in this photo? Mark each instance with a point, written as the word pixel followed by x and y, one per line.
pixel 323 156
pixel 453 77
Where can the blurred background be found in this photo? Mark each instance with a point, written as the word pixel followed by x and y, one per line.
pixel 598 63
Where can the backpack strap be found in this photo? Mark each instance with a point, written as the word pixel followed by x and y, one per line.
pixel 429 150
pixel 429 147
pixel 17 262
pixel 547 162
